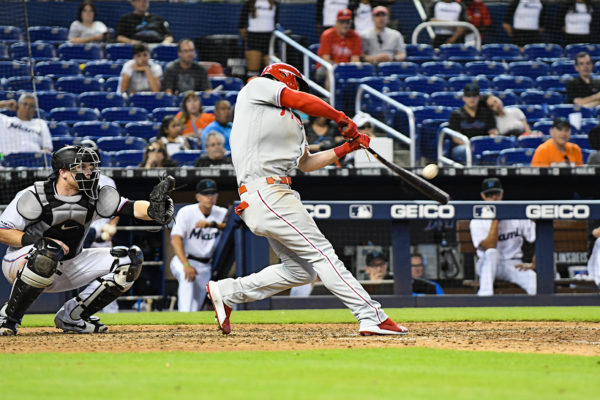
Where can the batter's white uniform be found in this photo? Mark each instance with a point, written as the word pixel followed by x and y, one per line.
pixel 199 243
pixel 499 262
pixel 268 141
pixel 594 263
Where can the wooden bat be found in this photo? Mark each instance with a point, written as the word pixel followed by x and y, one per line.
pixel 421 185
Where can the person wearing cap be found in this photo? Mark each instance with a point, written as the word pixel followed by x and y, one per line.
pixel 194 238
pixel 339 44
pixel 447 11
pixel 380 43
pixel 326 13
pixel 558 151
pixel 364 124
pixel 473 119
pixel 584 90
pixel 498 245
pixel 377 266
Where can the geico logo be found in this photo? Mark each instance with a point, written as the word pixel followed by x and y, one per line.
pixel 552 211
pixel 322 211
pixel 422 211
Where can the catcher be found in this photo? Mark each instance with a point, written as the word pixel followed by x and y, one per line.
pixel 44 227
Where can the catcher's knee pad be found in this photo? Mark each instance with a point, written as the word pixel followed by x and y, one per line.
pixel 44 258
pixel 126 273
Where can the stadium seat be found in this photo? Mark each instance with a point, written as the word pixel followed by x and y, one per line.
pixel 213 68
pixel 508 97
pixel 208 98
pixel 531 69
pixel 150 101
pixel 541 97
pixel 72 115
pixel 443 69
pixel 117 143
pixel 165 52
pixel 420 53
pixel 61 141
pixel 400 69
pixel 431 112
pixel 111 84
pixel 104 68
pixel 554 83
pixel 586 153
pixel 10 33
pixel 491 143
pixel 4 56
pixel 58 128
pixel 542 50
pixel 7 112
pixel 425 84
pixel 515 83
pixel 96 128
pixel 487 157
pixel 597 67
pixel 566 67
pixel 383 84
pixel 14 68
pixel 52 34
pixel 78 84
pixel 457 83
pixel 543 126
pixel 231 96
pixel 515 156
pixel 51 99
pixel 488 68
pixel 123 115
pixel 80 51
pixel 57 69
pixel 142 129
pixel 563 110
pixel 39 51
pixel 127 158
pixel 187 157
pixel 159 113
pixel 226 83
pixel 448 99
pixel 592 49
pixel 101 100
pixel 501 52
pixel 30 160
pixel 429 133
pixel 532 112
pixel 587 124
pixel 118 51
pixel 346 71
pixel 530 142
pixel 410 99
pixel 17 83
pixel 458 52
pixel 581 141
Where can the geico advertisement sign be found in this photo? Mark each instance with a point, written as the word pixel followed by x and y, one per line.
pixel 428 211
pixel 322 211
pixel 553 211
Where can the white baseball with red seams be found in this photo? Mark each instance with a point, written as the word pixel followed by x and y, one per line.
pixel 268 140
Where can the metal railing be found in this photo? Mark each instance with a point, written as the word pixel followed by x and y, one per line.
pixel 443 160
pixel 410 140
pixel 450 24
pixel 306 55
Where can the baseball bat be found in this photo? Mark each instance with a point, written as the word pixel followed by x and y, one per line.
pixel 421 185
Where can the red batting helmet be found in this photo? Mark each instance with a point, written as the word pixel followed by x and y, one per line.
pixel 287 74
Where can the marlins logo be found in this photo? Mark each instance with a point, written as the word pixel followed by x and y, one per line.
pixel 361 211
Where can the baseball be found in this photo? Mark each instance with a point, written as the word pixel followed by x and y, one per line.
pixel 430 171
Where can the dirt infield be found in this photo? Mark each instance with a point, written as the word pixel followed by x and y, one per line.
pixel 531 337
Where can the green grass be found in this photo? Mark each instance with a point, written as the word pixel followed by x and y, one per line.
pixel 588 314
pixel 410 373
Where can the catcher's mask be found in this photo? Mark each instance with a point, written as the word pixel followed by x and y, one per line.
pixel 84 165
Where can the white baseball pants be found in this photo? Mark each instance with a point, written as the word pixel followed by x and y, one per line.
pixel 593 265
pixel 190 295
pixel 490 268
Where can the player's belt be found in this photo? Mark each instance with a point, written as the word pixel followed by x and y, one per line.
pixel 204 260
pixel 270 180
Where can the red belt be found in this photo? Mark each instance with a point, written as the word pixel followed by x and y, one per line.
pixel 270 180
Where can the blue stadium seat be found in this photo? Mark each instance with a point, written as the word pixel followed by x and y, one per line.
pixel 61 141
pixel 231 96
pixel 347 77
pixel 514 83
pixel 96 128
pixel 448 99
pixel 346 71
pixel 57 68
pixel 150 101
pixel 52 34
pixel 532 69
pixel 541 97
pixel 104 68
pixel 487 157
pixel 480 144
pixel 8 33
pixel 50 100
pixel 78 84
pixel 410 99
pixel 587 124
pixel 111 84
pixel 187 157
pixel 566 67
pixel 563 110
pixel 118 51
pixel 80 51
pixel 143 129
pixel 383 84
pixel 209 98
pixel 458 52
pixel 5 95
pixel 426 84
pixel 501 52
pixel 39 50
pixel 554 83
pixel 428 134
pixel 160 112
pixel 226 82
pixel 586 153
pixel 58 128
pixel 17 83
pixel 117 143
pixel 444 69
pixel 592 49
pixel 516 156
pixel 123 115
pixel 30 160
pixel 543 126
pixel 400 69
pixel 597 67
pixel 532 112
pixel 508 97
pixel 457 83
pixel 165 52
pixel 542 50
pixel 581 141
pixel 4 52
pixel 13 68
pixel 7 112
pixel 488 68
pixel 420 53
pixel 127 158
pixel 530 142
pixel 71 115
pixel 431 112
pixel 101 100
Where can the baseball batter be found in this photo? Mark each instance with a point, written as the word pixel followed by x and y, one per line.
pixel 194 238
pixel 498 245
pixel 267 141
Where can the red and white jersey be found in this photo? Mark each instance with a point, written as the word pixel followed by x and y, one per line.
pixel 511 233
pixel 266 139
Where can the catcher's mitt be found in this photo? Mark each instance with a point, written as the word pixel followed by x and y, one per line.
pixel 161 208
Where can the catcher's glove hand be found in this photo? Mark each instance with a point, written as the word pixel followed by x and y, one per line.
pixel 161 208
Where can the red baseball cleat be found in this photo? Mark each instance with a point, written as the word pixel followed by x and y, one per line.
pixel 387 327
pixel 222 312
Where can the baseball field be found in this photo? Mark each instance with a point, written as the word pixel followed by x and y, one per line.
pixel 453 353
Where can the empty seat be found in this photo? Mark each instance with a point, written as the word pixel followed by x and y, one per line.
pixel 554 83
pixel 426 84
pixel 501 52
pixel 61 141
pixel 58 128
pixel 541 97
pixel 4 52
pixel 532 112
pixel 563 110
pixel 24 83
pixel 96 128
pixel 159 113
pixel 514 83
pixel 117 143
pixel 431 112
pixel 165 52
pixel 8 33
pixel 142 129
pixel 383 84
pixel 111 84
pixel 448 99
pixel 491 143
pixel 124 114
pixel 57 68
pixel 563 67
pixel 458 52
pixel 542 50
pixel 444 69
pixel 592 49
pixel 487 68
pixel 401 69
pixel 411 99
pixel 71 115
pixel 226 83
pixel 419 52
pixel 457 83
pixel 80 51
pixel 127 158
pixel 186 157
pixel 101 100
pixel 104 68
pixel 209 98
pixel 39 51
pixel 508 97
pixel 150 101
pixel 78 84
pixel 532 69
pixel 587 124
pixel 14 68
pixel 54 34
pixel 231 96
pixel 530 142
pixel 516 156
pixel 118 51
pixel 345 71
pixel 50 100
pixel 581 141
pixel 30 160
pixel 543 126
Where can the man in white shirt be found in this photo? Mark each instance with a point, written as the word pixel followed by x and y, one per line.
pixel 381 43
pixel 23 133
pixel 498 245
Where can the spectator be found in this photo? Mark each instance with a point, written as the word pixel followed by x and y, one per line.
pixel 473 119
pixel 594 139
pixel 23 133
pixel 327 12
pixel 191 116
pixel 215 151
pixel 593 264
pixel 257 21
pixel 86 29
pixel 185 73
pixel 156 156
pixel 557 151
pixel 339 44
pixel 140 74
pixel 447 11
pixel 321 134
pixel 578 21
pixel 381 43
pixel 221 124
pixel 377 266
pixel 170 135
pixel 510 121
pixel 498 245
pixel 363 15
pixel 142 26
pixel 420 284
pixel 524 21
pixel 584 90
pixel 194 238
pixel 478 15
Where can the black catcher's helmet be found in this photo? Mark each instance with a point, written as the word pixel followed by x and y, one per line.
pixel 73 159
